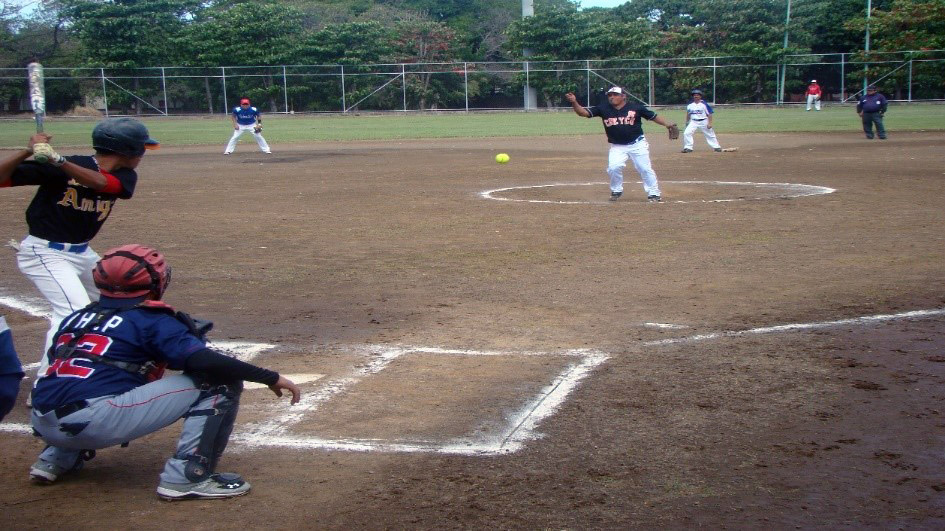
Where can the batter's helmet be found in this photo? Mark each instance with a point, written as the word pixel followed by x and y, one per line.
pixel 124 136
pixel 132 271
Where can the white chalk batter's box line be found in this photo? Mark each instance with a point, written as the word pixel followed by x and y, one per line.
pixel 791 190
pixel 519 428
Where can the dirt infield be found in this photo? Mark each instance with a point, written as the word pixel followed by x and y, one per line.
pixel 445 305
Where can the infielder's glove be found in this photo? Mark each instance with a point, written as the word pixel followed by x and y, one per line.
pixel 673 131
pixel 43 152
pixel 257 128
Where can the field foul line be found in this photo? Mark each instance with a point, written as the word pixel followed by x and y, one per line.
pixel 521 426
pixel 800 326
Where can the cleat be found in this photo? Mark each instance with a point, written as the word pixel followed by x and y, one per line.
pixel 717 149
pixel 686 150
pixel 615 195
pixel 227 152
pixel 654 199
pixel 43 473
pixel 225 485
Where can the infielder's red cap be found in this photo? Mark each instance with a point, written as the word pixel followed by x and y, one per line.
pixel 244 100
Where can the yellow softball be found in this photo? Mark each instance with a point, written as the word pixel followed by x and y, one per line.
pixel 502 158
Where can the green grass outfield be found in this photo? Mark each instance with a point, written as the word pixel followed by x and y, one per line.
pixel 287 129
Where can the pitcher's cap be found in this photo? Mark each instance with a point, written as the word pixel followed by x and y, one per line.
pixel 615 90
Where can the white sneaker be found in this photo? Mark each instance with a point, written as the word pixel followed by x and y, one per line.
pixel 226 485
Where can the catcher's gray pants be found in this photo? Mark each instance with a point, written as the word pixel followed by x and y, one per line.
pixel 114 419
pixel 231 145
pixel 639 152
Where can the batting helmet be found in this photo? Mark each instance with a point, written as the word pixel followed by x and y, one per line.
pixel 696 91
pixel 132 271
pixel 124 136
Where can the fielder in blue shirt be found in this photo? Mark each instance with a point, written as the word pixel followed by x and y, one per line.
pixel 246 118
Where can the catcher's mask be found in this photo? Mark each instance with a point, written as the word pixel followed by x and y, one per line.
pixel 124 136
pixel 131 271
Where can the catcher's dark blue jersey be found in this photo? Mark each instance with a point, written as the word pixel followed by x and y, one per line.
pixel 136 335
pixel 64 210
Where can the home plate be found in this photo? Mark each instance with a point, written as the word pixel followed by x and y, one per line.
pixel 299 379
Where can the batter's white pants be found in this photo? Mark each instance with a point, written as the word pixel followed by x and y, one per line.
pixel 231 146
pixel 704 126
pixel 63 277
pixel 639 152
pixel 815 100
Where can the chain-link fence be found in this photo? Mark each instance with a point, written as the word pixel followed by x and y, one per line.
pixel 475 86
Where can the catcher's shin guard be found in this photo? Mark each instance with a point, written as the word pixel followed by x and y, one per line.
pixel 208 424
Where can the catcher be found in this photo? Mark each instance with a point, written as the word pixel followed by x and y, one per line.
pixel 624 128
pixel 246 118
pixel 104 383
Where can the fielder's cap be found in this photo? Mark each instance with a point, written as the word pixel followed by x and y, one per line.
pixel 244 100
pixel 696 91
pixel 615 90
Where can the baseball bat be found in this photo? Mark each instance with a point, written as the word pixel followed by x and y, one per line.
pixel 34 73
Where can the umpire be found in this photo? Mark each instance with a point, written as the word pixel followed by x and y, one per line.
pixel 871 109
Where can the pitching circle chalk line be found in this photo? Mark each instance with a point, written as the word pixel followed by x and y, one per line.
pixel 791 190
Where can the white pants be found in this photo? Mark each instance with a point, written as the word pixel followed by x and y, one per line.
pixel 62 276
pixel 704 126
pixel 812 99
pixel 263 146
pixel 639 152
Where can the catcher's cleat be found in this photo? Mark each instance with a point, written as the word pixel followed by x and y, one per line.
pixel 654 199
pixel 717 149
pixel 44 473
pixel 615 195
pixel 226 485
pixel 686 150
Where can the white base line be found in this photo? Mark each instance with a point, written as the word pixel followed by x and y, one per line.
pixel 800 326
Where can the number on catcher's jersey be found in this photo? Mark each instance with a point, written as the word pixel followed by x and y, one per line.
pixel 91 344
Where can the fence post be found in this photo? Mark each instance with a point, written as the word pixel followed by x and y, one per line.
pixel 843 77
pixel 714 69
pixel 651 92
pixel 223 77
pixel 527 87
pixel 910 80
pixel 466 83
pixel 403 77
pixel 285 90
pixel 344 103
pixel 104 92
pixel 164 88
pixel 587 64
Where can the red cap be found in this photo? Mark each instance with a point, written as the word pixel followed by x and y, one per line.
pixel 244 100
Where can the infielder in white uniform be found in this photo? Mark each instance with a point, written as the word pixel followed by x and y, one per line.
pixel 75 196
pixel 699 116
pixel 246 118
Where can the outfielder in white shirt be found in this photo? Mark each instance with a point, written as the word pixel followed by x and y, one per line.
pixel 699 116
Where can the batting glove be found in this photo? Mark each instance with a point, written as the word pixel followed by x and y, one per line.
pixel 44 153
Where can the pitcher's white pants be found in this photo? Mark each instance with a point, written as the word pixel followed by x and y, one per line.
pixel 813 99
pixel 639 152
pixel 704 126
pixel 263 146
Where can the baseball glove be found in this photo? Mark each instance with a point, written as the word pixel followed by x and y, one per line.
pixel 673 131
pixel 257 128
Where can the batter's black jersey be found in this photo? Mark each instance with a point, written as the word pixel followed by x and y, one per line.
pixel 623 126
pixel 64 210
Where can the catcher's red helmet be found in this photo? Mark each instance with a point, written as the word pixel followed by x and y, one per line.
pixel 132 271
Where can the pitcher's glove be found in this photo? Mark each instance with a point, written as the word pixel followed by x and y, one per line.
pixel 257 128
pixel 673 131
